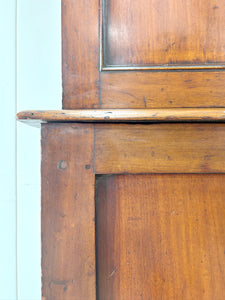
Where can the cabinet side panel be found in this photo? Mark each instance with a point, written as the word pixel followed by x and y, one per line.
pixel 68 211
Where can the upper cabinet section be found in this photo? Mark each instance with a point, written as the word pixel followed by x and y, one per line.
pixel 143 54
pixel 155 34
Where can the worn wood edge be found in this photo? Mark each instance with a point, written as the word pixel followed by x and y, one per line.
pixel 35 117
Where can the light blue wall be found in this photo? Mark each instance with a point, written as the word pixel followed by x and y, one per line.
pixel 8 151
pixel 30 78
pixel 38 87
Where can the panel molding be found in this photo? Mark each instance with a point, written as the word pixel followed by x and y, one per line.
pixel 163 67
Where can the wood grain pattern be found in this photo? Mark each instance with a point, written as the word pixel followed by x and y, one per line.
pixel 68 211
pixel 160 148
pixel 71 156
pixel 168 244
pixel 164 32
pixel 124 115
pixel 80 50
pixel 85 87
pixel 162 89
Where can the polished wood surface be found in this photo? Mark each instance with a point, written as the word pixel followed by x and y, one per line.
pixel 80 53
pixel 162 89
pixel 171 54
pixel 124 115
pixel 161 237
pixel 159 148
pixel 157 233
pixel 68 212
pixel 163 32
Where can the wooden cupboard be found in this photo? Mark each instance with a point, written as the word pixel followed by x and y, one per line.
pixel 133 203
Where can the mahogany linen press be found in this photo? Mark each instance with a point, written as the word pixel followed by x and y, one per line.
pixel 133 184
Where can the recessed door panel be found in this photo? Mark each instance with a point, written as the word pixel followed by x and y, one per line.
pixel 160 236
pixel 150 33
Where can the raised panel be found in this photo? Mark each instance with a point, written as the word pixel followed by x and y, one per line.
pixel 163 33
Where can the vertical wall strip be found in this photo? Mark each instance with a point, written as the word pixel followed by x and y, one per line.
pixel 38 87
pixel 7 150
pixel 16 133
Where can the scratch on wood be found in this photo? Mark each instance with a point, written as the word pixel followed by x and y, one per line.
pixel 134 219
pixel 208 156
pixel 113 272
pixel 58 282
pixel 144 102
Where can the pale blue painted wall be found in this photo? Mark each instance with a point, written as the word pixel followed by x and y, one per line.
pixel 8 151
pixel 39 87
pixel 37 66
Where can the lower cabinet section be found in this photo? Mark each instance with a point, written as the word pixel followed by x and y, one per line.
pixel 133 212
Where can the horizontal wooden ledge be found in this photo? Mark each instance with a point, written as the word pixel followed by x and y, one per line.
pixel 35 117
